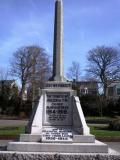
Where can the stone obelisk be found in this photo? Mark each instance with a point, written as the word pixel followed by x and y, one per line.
pixel 57 124
pixel 58 74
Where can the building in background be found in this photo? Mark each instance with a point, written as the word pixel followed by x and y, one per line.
pixel 114 90
pixel 86 87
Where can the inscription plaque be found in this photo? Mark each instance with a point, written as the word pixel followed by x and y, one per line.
pixel 57 134
pixel 58 85
pixel 57 107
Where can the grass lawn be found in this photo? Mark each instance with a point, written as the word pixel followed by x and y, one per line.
pixel 98 131
pixel 103 132
pixel 94 118
pixel 11 131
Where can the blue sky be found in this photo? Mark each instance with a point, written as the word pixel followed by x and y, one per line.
pixel 87 23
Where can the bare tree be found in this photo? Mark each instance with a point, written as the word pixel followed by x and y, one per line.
pixel 30 64
pixel 103 64
pixel 74 71
pixel 40 70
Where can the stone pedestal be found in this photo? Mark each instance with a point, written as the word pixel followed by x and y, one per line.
pixel 59 114
pixel 58 125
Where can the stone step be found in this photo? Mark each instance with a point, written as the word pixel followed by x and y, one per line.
pixel 84 138
pixel 76 138
pixel 97 147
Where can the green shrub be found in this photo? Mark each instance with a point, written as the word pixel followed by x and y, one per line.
pixel 115 124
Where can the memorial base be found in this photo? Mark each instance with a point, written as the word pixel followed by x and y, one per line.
pixel 97 147
pixel 58 125
pixel 7 155
pixel 11 155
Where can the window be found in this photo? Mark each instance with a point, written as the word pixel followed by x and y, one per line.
pixel 110 91
pixel 118 91
pixel 82 90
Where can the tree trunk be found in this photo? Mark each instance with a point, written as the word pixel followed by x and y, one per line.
pixel 22 95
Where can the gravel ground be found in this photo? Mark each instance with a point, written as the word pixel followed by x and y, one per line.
pixel 4 123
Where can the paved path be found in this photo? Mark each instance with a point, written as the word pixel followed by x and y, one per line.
pixel 114 145
pixel 97 125
pixel 24 122
pixel 4 142
pixel 12 122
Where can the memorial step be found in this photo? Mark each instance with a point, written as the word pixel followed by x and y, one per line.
pixel 97 147
pixel 83 138
pixel 76 138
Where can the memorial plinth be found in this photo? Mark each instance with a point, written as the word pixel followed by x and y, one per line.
pixel 57 123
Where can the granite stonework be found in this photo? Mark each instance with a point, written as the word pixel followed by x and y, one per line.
pixel 57 123
pixel 112 155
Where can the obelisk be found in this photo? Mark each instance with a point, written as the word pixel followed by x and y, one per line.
pixel 57 124
pixel 58 74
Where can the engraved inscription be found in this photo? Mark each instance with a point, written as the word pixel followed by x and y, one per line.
pixel 57 108
pixel 55 134
pixel 58 85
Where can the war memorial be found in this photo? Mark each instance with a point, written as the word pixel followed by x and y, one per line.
pixel 57 128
